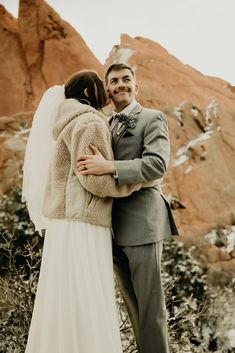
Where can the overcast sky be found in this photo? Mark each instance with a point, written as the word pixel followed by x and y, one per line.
pixel 198 32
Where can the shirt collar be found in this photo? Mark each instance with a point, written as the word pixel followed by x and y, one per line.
pixel 127 109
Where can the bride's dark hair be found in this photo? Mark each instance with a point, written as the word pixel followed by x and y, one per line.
pixel 90 82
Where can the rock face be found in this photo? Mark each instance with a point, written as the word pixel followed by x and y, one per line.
pixel 201 113
pixel 38 50
pixel 13 71
pixel 13 137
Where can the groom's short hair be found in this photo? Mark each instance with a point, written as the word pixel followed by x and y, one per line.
pixel 118 67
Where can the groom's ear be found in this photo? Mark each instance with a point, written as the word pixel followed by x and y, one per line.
pixel 136 88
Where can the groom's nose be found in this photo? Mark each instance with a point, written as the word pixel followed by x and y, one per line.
pixel 121 84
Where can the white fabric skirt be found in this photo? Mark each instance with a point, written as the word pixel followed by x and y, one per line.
pixel 75 309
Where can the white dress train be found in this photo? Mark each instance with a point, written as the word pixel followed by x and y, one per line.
pixel 75 309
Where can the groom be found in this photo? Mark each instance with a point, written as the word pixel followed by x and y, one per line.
pixel 142 220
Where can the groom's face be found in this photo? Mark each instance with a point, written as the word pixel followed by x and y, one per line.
pixel 122 88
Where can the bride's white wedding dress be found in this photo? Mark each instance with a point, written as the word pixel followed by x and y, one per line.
pixel 75 309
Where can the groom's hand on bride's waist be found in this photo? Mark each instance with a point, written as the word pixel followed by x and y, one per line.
pixel 94 164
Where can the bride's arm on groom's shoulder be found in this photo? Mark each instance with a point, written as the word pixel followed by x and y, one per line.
pixel 97 133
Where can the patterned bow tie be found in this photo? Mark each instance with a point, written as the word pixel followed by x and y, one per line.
pixel 118 118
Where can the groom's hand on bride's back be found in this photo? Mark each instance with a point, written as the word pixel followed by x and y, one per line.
pixel 94 164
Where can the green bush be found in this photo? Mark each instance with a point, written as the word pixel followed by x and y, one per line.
pixel 17 235
pixel 20 258
pixel 185 286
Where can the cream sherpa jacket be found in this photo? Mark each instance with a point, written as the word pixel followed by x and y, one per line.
pixel 68 193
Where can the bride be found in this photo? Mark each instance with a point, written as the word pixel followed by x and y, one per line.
pixel 74 310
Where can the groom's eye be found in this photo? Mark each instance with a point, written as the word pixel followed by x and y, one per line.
pixel 113 81
pixel 126 79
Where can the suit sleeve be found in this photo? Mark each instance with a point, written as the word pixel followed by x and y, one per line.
pixel 97 134
pixel 155 154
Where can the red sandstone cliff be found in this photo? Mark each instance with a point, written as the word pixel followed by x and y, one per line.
pixel 38 50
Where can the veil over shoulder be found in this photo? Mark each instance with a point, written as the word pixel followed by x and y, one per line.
pixel 38 153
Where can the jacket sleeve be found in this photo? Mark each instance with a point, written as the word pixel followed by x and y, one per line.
pixel 155 155
pixel 98 134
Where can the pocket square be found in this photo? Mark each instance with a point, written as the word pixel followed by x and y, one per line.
pixel 127 134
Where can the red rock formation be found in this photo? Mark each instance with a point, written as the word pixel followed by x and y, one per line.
pixel 166 81
pixel 13 68
pixel 13 137
pixel 40 50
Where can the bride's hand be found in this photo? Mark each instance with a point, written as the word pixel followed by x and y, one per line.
pixel 94 164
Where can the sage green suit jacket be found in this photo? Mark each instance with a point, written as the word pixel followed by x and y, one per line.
pixel 142 154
